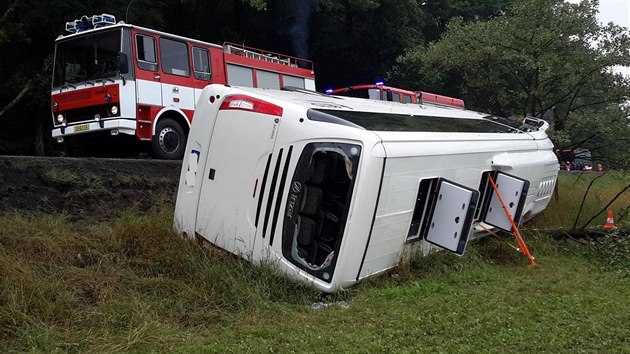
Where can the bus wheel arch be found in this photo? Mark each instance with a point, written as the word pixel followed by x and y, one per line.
pixel 170 134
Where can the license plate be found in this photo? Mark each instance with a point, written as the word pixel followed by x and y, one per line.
pixel 81 128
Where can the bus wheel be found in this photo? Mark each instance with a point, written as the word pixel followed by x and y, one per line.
pixel 169 140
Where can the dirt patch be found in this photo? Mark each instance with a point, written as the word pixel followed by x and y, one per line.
pixel 86 188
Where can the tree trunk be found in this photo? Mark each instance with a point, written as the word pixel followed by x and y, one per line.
pixel 39 138
pixel 17 99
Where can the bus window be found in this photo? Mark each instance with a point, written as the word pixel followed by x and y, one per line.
pixel 145 46
pixel 174 56
pixel 201 64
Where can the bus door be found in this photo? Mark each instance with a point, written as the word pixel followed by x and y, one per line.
pixel 238 173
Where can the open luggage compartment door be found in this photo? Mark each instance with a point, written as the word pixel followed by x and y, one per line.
pixel 451 208
pixel 513 191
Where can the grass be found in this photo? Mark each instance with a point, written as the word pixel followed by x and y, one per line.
pixel 564 206
pixel 131 285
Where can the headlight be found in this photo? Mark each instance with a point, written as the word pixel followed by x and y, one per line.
pixel 60 118
pixel 114 110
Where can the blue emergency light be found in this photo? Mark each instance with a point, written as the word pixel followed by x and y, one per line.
pixel 87 23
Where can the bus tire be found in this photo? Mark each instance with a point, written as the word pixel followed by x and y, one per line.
pixel 169 141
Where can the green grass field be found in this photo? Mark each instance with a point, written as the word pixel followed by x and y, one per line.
pixel 132 285
pixel 563 209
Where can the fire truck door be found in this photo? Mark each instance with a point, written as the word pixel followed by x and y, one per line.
pixel 148 78
pixel 238 156
pixel 176 79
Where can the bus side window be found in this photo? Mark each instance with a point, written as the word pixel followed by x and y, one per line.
pixel 174 56
pixel 145 47
pixel 201 64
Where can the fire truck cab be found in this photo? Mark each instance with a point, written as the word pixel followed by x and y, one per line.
pixel 114 78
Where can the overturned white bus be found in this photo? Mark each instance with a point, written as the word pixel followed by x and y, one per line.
pixel 334 189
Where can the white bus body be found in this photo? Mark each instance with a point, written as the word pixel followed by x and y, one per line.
pixel 335 189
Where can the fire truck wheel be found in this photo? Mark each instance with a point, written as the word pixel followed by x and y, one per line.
pixel 169 140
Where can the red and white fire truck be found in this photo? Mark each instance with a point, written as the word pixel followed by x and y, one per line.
pixel 381 92
pixel 115 78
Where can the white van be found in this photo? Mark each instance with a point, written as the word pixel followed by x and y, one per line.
pixel 334 189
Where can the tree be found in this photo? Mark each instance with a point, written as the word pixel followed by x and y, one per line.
pixel 357 41
pixel 541 55
pixel 438 13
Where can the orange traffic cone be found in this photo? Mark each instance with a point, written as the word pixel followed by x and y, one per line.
pixel 610 222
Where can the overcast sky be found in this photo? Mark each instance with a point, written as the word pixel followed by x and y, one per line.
pixel 617 11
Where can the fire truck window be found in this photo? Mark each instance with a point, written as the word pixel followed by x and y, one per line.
pixel 374 94
pixel 395 97
pixel 126 49
pixel 174 56
pixel 239 76
pixel 266 79
pixel 293 81
pixel 406 99
pixel 201 64
pixel 146 53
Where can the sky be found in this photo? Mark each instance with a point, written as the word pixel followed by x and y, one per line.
pixel 617 11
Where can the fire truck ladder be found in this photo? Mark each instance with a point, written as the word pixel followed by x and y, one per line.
pixel 258 54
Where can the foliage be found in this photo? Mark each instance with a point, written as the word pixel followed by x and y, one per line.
pixel 440 12
pixel 541 56
pixel 614 252
pixel 604 132
pixel 357 41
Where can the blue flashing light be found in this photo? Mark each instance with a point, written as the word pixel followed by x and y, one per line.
pixel 329 91
pixel 380 83
pixel 86 23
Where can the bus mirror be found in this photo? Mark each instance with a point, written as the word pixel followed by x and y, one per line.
pixel 123 66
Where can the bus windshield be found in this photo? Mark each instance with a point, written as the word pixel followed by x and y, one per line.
pixel 88 57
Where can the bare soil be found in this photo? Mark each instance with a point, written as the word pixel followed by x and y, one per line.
pixel 85 188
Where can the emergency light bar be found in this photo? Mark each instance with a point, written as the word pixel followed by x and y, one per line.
pixel 87 23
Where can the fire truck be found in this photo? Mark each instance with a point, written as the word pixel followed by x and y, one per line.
pixel 114 78
pixel 381 92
